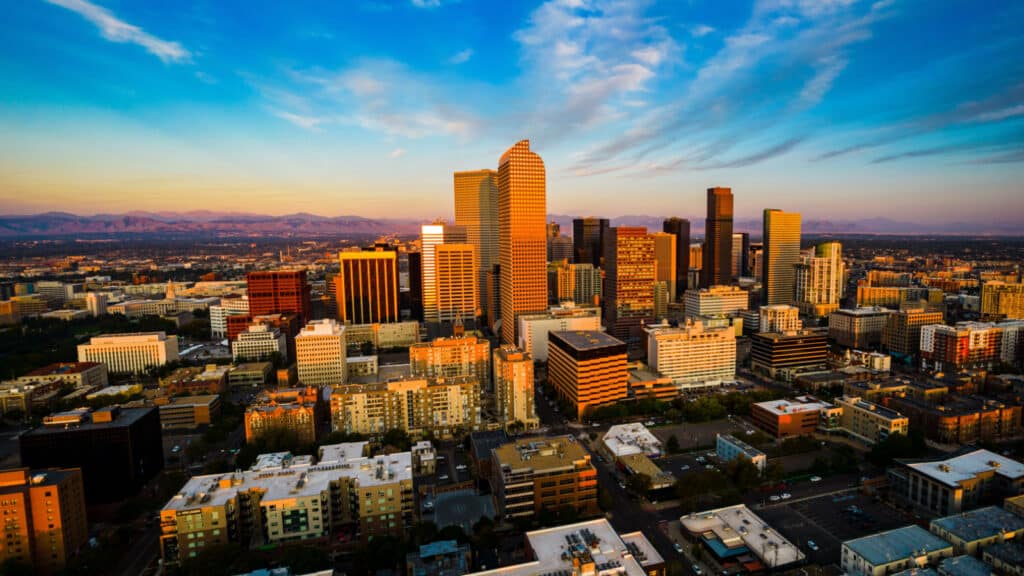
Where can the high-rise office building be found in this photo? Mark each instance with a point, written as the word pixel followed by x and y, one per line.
pixel 681 229
pixel 320 354
pixel 629 282
pixel 902 333
pixel 560 249
pixel 366 287
pixel 118 449
pixel 415 285
pixel 665 257
pixel 279 292
pixel 781 255
pixel 457 291
pixel 513 387
pixel 432 236
pixel 717 268
pixel 1000 300
pixel 522 210
pixel 44 518
pixel 779 318
pixel 587 368
pixel 476 209
pixel 577 283
pixel 740 254
pixel 588 240
pixel 820 279
pixel 716 301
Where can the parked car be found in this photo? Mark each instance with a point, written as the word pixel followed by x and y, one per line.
pixel 678 547
pixel 815 478
pixel 812 545
pixel 709 467
pixel 684 467
pixel 461 467
pixel 786 496
pixel 696 570
pixel 774 498
pixel 442 477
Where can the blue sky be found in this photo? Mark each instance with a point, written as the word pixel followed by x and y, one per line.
pixel 840 109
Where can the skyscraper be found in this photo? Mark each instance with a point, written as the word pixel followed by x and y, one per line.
pixel 629 282
pixel 521 224
pixel 740 254
pixel 665 246
pixel 681 228
pixel 279 292
pixel 819 280
pixel 717 255
pixel 781 255
pixel 588 239
pixel 366 287
pixel 456 290
pixel 476 209
pixel 432 236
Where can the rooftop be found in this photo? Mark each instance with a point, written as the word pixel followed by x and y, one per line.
pixel 325 327
pixel 964 566
pixel 864 311
pixel 743 446
pixel 872 407
pixel 587 339
pixel 81 419
pixel 202 400
pixel 981 523
pixel 558 550
pixel 626 439
pixel 1009 552
pixel 739 526
pixel 61 368
pixel 966 466
pixel 280 476
pixel 897 544
pixel 780 407
pixel 540 453
pixel 484 442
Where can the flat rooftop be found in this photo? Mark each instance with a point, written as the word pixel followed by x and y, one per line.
pixel 61 368
pixel 981 523
pixel 780 407
pixel 125 417
pixel 966 466
pixel 1010 552
pixel 738 525
pixel 203 400
pixel 540 453
pixel 594 542
pixel 626 439
pixel 964 566
pixel 747 449
pixel 872 407
pixel 890 546
pixel 587 339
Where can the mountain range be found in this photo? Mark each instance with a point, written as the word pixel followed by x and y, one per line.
pixel 205 222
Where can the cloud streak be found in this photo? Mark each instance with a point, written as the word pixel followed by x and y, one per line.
pixel 119 31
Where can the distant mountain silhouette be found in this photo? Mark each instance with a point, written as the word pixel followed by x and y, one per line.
pixel 249 224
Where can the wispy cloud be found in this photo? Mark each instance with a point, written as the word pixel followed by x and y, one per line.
pixel 397 153
pixel 461 57
pixel 119 31
pixel 307 122
pixel 426 3
pixel 701 30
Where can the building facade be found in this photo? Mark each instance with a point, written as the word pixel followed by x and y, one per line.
pixel 628 295
pixel 902 333
pixel 443 407
pixel 680 228
pixel 451 357
pixel 320 352
pixel 476 210
pixel 717 251
pixel 781 255
pixel 534 328
pixel 279 292
pixel 716 301
pixel 44 517
pixel 587 368
pixel 123 353
pixel 513 388
pixel 588 240
pixel 536 474
pixel 859 328
pixel 693 356
pixel 366 287
pixel 1001 300
pixel 820 280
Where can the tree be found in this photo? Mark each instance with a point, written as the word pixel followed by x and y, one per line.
pixel 672 445
pixel 304 559
pixel 897 446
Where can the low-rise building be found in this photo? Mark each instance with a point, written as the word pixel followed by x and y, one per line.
pixel 957 419
pixel 729 447
pixel 258 342
pixel 384 336
pixel 320 353
pixel 892 551
pixel 859 327
pixel 799 417
pixel 734 530
pixel 253 374
pixel 76 374
pixel 952 485
pixel 534 328
pixel 592 547
pixel 645 382
pixel 283 500
pixel 1006 558
pixel 783 355
pixel 123 353
pixel 211 379
pixel 188 412
pixel 869 422
pixel 424 458
pixel 626 439
pixel 440 558
pixel 969 531
pixel 534 474
pixel 297 411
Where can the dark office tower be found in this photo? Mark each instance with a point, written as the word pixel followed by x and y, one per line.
pixel 588 240
pixel 740 255
pixel 681 228
pixel 280 292
pixel 629 283
pixel 717 267
pixel 366 287
pixel 416 285
pixel 118 449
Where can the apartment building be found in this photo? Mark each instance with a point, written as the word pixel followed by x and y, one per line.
pixel 869 422
pixel 443 406
pixel 693 356
pixel 860 328
pixel 320 353
pixel 44 517
pixel 451 357
pixel 513 388
pixel 295 410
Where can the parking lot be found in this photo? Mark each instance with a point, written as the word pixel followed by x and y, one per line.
pixel 828 521
pixel 691 436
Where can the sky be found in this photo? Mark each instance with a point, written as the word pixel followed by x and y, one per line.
pixel 838 109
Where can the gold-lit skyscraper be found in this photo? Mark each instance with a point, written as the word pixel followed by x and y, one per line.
pixel 717 268
pixel 366 287
pixel 629 282
pixel 432 236
pixel 665 245
pixel 476 210
pixel 781 255
pixel 522 236
pixel 457 299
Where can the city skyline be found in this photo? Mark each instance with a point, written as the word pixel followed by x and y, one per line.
pixel 836 110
